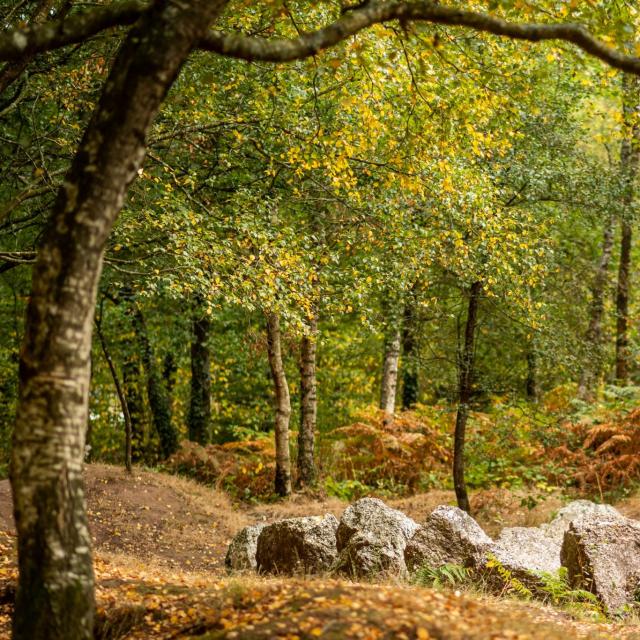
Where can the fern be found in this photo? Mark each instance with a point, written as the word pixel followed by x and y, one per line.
pixel 558 590
pixel 446 575
pixel 511 584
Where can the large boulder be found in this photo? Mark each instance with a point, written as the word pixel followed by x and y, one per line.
pixel 528 548
pixel 519 555
pixel 602 555
pixel 298 545
pixel 573 511
pixel 241 554
pixel 371 539
pixel 448 536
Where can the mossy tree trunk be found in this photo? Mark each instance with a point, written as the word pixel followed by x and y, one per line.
pixel 159 401
pixel 629 161
pixel 131 384
pixel 308 406
pixel 199 416
pixel 594 340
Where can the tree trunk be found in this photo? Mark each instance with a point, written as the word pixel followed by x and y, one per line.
pixel 465 388
pixel 156 390
pixel 532 373
pixel 308 406
pixel 55 596
pixel 593 338
pixel 121 397
pixel 131 381
pixel 409 358
pixel 389 383
pixel 622 305
pixel 629 160
pixel 199 417
pixel 169 371
pixel 283 406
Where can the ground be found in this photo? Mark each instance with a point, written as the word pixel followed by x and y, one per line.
pixel 160 543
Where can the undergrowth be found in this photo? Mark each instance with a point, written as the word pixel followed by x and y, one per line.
pixel 496 579
pixel 591 450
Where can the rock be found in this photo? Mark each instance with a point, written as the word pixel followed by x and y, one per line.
pixel 448 536
pixel 602 555
pixel 298 545
pixel 241 554
pixel 371 539
pixel 528 548
pixel 523 552
pixel 572 511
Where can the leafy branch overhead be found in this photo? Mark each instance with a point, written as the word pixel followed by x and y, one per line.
pixel 15 43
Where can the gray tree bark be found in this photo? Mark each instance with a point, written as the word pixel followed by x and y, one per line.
pixel 55 596
pixel 283 405
pixel 390 362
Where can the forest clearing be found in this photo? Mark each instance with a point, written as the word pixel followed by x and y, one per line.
pixel 319 319
pixel 160 543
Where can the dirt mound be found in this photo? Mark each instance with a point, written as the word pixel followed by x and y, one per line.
pixel 185 525
pixel 154 516
pixel 161 540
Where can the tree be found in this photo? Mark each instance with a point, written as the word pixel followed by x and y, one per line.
pixel 465 392
pixel 391 359
pixel 629 159
pixel 157 392
pixel 594 337
pixel 55 593
pixel 308 407
pixel 283 405
pixel 199 417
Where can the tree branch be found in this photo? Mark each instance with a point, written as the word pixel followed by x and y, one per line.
pixel 16 43
pixel 308 44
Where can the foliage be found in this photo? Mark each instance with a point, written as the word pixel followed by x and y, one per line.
pixel 347 490
pixel 406 454
pixel 245 469
pixel 447 575
pixel 608 457
pixel 509 583
pixel 555 588
pixel 548 587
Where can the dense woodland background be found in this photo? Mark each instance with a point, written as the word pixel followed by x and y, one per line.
pixel 366 201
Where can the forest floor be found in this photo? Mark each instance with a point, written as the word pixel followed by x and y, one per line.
pixel 160 542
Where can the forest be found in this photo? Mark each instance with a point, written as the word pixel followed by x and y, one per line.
pixel 319 319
